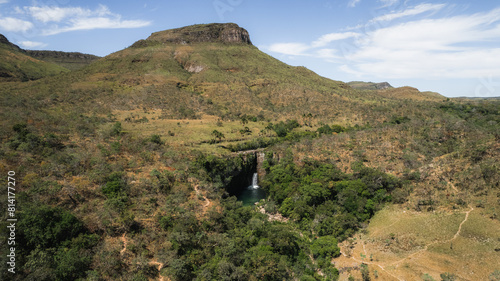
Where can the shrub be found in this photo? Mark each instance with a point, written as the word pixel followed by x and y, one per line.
pixel 328 130
pixel 166 180
pixel 282 128
pixel 156 139
pixel 448 276
pixel 365 273
pixel 325 247
pixel 166 222
pixel 46 227
pixel 115 184
pixel 494 276
pixel 116 129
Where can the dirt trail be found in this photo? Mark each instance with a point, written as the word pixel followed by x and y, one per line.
pixel 160 266
pixel 124 240
pixel 207 201
pixel 460 226
pixel 196 187
pixel 372 263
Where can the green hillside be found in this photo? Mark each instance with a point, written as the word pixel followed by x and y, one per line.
pixel 126 169
pixel 15 65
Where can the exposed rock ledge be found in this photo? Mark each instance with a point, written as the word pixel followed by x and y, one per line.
pixel 215 32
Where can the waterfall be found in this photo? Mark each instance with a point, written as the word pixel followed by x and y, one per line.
pixel 255 183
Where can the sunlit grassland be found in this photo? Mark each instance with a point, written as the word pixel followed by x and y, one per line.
pixel 191 133
pixel 410 244
pixel 424 228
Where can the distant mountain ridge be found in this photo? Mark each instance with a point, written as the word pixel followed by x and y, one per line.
pixel 369 85
pixel 18 64
pixel 69 60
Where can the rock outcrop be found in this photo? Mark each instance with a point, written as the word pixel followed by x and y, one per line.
pixel 215 33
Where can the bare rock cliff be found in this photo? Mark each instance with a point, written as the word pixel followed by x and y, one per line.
pixel 215 33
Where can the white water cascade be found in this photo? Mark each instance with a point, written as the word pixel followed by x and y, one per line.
pixel 255 184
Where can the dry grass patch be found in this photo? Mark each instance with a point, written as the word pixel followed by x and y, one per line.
pixel 410 244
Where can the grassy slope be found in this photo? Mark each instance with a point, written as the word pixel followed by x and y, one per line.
pixel 410 244
pixel 16 66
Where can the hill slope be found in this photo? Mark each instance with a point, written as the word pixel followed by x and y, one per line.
pixel 214 70
pixel 16 65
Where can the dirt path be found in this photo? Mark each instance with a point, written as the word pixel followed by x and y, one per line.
pixel 460 226
pixel 372 263
pixel 207 201
pixel 124 240
pixel 159 267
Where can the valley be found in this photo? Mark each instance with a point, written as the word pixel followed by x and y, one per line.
pixel 127 165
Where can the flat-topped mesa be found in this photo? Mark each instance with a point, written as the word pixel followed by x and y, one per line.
pixel 215 33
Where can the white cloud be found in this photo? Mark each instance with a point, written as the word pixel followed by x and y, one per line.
pixel 387 3
pixel 31 44
pixel 353 3
pixel 417 46
pixel 327 38
pixel 452 47
pixel 57 14
pixel 15 25
pixel 330 54
pixel 294 49
pixel 96 23
pixel 4 1
pixel 300 49
pixel 54 20
pixel 422 8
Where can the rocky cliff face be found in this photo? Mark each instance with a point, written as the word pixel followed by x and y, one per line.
pixel 216 32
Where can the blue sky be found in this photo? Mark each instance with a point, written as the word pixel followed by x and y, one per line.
pixel 451 47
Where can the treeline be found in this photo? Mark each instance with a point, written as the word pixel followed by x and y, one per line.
pixel 284 131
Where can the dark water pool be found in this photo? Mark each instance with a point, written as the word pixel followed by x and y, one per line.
pixel 250 195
